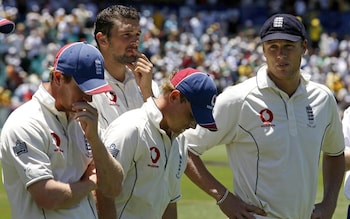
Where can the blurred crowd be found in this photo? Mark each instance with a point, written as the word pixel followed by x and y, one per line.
pixel 219 37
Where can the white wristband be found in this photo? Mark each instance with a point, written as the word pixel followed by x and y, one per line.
pixel 223 198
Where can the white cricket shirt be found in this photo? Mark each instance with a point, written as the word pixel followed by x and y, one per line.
pixel 346 132
pixel 152 162
pixel 127 96
pixel 274 142
pixel 37 143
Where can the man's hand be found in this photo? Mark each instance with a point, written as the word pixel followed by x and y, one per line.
pixel 87 116
pixel 234 207
pixel 90 175
pixel 143 71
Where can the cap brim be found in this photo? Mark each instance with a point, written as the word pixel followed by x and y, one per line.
pixel 6 26
pixel 95 86
pixel 204 117
pixel 281 36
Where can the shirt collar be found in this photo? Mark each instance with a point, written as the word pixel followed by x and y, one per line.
pixel 47 100
pixel 155 115
pixel 264 81
pixel 128 75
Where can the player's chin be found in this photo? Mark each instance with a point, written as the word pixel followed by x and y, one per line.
pixel 129 59
pixel 177 132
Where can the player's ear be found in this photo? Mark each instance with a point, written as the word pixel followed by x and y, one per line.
pixel 304 45
pixel 175 95
pixel 101 39
pixel 56 77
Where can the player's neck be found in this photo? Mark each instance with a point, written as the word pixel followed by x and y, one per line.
pixel 117 71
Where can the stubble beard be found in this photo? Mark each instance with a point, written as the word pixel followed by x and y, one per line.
pixel 126 59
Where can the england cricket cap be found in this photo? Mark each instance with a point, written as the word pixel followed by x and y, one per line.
pixel 85 64
pixel 200 90
pixel 6 26
pixel 282 27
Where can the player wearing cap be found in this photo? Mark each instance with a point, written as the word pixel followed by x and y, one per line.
pixel 6 26
pixel 149 145
pixel 275 126
pixel 129 72
pixel 52 156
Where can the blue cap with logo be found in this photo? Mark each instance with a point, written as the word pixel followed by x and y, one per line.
pixel 283 27
pixel 201 92
pixel 6 26
pixel 86 64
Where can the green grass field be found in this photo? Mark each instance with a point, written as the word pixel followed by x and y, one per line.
pixel 195 204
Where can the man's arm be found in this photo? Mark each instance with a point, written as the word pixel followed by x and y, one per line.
pixel 333 172
pixel 170 212
pixel 52 194
pixel 109 171
pixel 231 205
pixel 105 206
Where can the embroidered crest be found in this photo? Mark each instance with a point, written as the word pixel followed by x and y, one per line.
pixel 20 148
pixel 278 22
pixel 88 148
pixel 113 150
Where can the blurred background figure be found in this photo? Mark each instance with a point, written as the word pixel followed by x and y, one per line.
pixel 6 27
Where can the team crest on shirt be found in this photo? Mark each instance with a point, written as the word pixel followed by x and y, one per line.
pixel 88 149
pixel 20 148
pixel 310 117
pixel 155 155
pixel 266 117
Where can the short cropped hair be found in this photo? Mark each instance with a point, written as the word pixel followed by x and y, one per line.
pixel 105 19
pixel 168 87
pixel 67 78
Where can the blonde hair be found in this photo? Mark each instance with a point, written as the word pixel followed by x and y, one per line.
pixel 52 70
pixel 168 87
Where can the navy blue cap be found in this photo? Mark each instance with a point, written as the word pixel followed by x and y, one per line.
pixel 201 92
pixel 86 64
pixel 283 27
pixel 6 26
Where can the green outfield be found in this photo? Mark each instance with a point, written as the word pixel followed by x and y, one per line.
pixel 195 204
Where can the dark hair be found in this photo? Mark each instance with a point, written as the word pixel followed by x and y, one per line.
pixel 105 19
